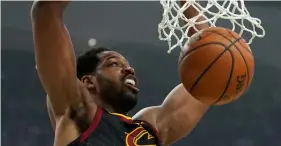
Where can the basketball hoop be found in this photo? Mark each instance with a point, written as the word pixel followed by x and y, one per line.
pixel 172 30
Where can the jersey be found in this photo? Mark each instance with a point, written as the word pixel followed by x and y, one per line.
pixel 112 129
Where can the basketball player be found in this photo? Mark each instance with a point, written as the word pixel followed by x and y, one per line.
pixel 88 99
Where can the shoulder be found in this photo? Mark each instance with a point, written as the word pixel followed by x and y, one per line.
pixel 148 115
pixel 148 119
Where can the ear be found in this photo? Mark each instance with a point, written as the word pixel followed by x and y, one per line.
pixel 90 82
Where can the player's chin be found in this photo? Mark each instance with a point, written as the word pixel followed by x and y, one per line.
pixel 130 98
pixel 131 94
pixel 128 102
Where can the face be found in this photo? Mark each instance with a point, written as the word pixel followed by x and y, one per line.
pixel 116 81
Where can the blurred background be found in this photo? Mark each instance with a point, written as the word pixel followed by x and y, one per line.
pixel 131 28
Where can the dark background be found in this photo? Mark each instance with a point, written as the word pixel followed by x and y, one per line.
pixel 131 28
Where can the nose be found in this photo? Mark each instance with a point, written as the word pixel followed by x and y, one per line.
pixel 129 70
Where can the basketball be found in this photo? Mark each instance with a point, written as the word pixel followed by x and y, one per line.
pixel 216 66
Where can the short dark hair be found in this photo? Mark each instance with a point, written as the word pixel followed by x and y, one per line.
pixel 87 63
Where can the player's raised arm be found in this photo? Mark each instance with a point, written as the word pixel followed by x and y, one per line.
pixel 54 54
pixel 176 117
pixel 180 112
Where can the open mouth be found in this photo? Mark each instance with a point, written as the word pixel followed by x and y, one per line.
pixel 130 82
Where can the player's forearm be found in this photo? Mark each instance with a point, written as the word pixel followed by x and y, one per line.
pixel 176 117
pixel 54 54
pixel 192 12
pixel 51 38
pixel 184 113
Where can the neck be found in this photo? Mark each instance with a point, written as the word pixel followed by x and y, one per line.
pixel 98 100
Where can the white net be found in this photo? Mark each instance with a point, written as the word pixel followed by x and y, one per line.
pixel 175 26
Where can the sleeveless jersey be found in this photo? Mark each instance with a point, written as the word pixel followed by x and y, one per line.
pixel 112 129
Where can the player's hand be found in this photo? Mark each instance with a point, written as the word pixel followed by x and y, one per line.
pixel 53 5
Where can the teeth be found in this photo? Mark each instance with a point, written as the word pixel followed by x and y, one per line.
pixel 130 81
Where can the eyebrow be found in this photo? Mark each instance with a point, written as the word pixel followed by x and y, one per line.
pixel 116 57
pixel 113 56
pixel 107 58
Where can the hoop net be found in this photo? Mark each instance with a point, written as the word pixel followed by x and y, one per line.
pixel 175 26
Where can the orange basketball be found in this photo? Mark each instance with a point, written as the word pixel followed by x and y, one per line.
pixel 217 66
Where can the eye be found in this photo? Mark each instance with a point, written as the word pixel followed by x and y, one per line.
pixel 113 64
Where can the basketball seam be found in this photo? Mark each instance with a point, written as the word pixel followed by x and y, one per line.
pixel 240 43
pixel 237 48
pixel 232 67
pixel 205 71
pixel 230 40
pixel 248 78
pixel 201 39
pixel 245 47
pixel 232 44
pixel 231 71
pixel 198 47
pixel 227 48
pixel 210 32
pixel 230 75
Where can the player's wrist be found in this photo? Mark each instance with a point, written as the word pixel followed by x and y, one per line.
pixel 43 8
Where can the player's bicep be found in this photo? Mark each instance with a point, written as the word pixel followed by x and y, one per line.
pixel 176 117
pixel 54 55
pixel 179 114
